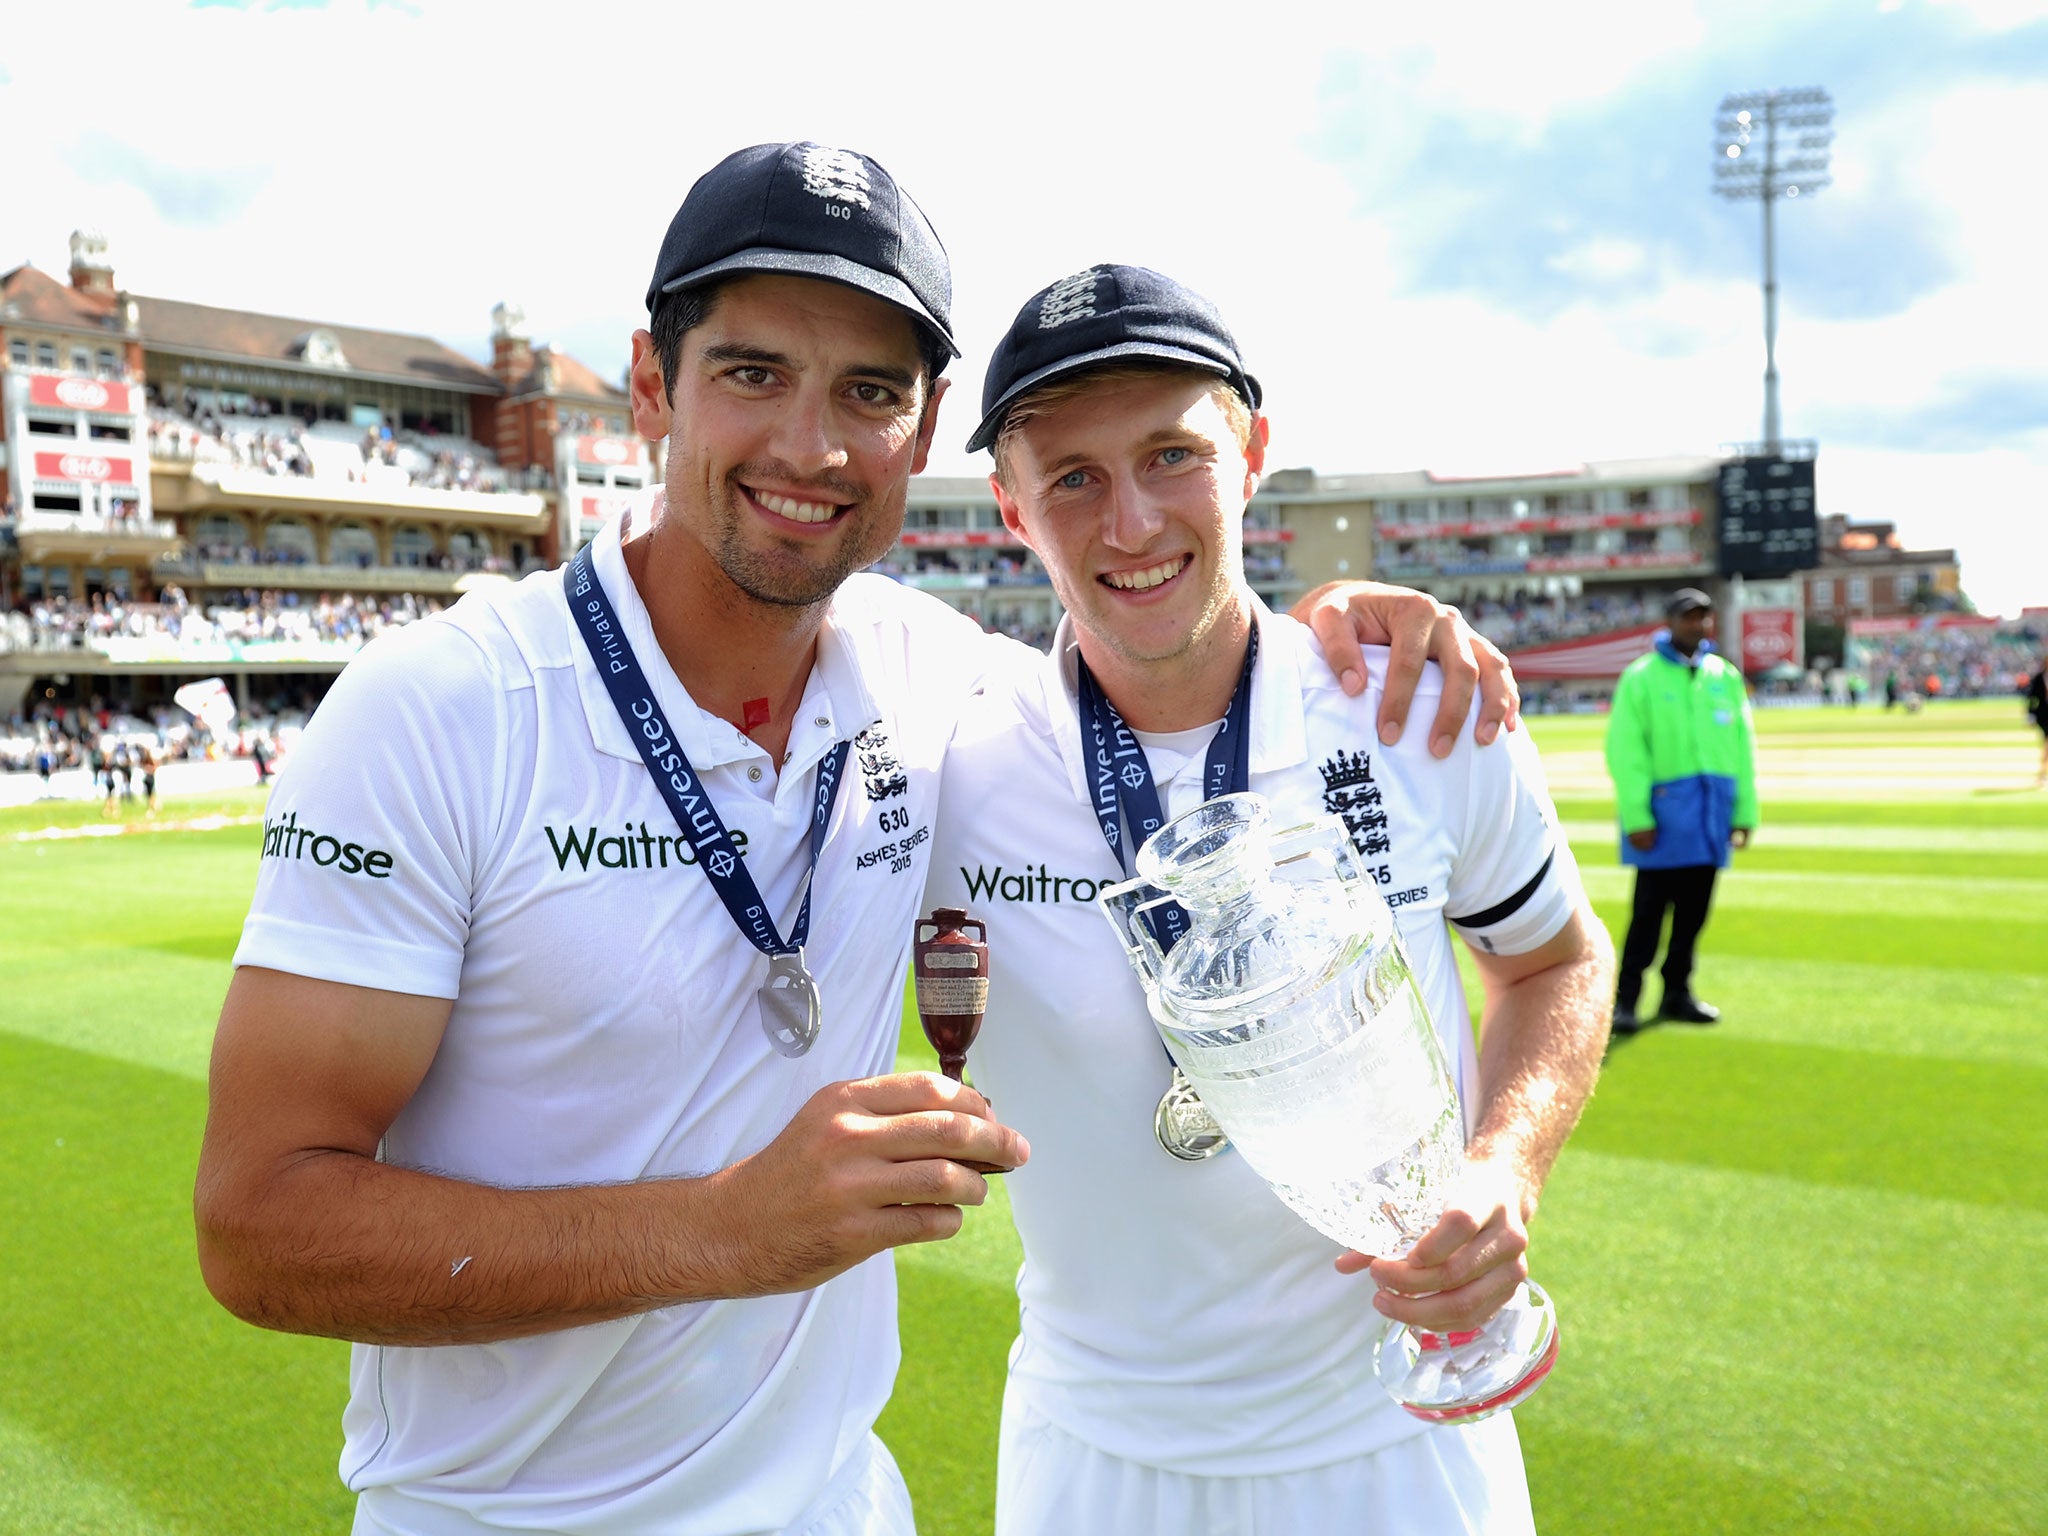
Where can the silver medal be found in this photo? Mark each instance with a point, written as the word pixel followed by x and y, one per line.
pixel 1184 1125
pixel 790 1007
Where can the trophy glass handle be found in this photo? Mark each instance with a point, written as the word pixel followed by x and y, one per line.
pixel 1121 905
pixel 1325 840
pixel 1325 834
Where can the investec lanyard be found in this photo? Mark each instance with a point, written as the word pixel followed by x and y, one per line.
pixel 790 1007
pixel 1124 794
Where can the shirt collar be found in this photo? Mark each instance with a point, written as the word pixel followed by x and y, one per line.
pixel 836 693
pixel 1279 721
pixel 1671 653
pixel 1279 725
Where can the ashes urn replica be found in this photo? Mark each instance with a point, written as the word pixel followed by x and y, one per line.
pixel 950 968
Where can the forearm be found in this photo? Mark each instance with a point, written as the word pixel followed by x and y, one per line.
pixel 339 1245
pixel 1540 1045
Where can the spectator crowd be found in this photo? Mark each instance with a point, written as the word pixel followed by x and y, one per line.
pixel 1909 667
pixel 1526 620
pixel 256 438
pixel 57 738
pixel 1956 663
pixel 59 623
pixel 224 553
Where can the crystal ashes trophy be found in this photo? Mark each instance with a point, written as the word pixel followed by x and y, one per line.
pixel 1292 1011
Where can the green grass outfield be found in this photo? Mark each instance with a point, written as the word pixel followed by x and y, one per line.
pixel 1799 1257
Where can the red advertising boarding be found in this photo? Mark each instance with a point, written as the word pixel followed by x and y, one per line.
pixel 1923 623
pixel 602 509
pixel 69 392
pixel 1770 637
pixel 1627 560
pixel 980 538
pixel 952 538
pixel 1590 656
pixel 605 450
pixel 1557 522
pixel 85 466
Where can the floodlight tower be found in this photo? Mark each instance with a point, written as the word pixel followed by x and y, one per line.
pixel 1768 145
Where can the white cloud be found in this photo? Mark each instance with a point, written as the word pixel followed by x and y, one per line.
pixel 1513 65
pixel 1996 15
pixel 1602 259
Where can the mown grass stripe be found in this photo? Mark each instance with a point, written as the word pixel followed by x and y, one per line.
pixel 42 1492
pixel 1903 1010
pixel 1783 1355
pixel 1904 835
pixel 1922 1126
pixel 1834 900
pixel 110 1346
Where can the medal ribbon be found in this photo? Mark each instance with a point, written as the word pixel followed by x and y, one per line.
pixel 688 799
pixel 1124 794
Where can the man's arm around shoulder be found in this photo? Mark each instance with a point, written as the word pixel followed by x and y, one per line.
pixel 1348 615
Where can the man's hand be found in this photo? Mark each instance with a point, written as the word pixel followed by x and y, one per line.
pixel 1465 1268
pixel 1347 615
pixel 1739 838
pixel 1644 840
pixel 863 1166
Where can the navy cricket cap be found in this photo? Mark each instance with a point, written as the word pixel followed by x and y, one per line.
pixel 1687 600
pixel 809 211
pixel 1106 314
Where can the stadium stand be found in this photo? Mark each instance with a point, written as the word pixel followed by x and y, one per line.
pixel 194 491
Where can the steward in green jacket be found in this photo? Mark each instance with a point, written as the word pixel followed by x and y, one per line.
pixel 1682 752
pixel 1681 749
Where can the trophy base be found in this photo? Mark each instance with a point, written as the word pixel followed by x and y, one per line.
pixel 1461 1378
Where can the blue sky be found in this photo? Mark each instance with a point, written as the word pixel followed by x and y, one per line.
pixel 1472 237
pixel 1634 164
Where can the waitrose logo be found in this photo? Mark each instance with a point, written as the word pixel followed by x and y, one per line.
pixel 627 849
pixel 1029 882
pixel 286 839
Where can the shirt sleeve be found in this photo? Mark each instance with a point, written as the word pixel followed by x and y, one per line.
pixel 381 818
pixel 1514 882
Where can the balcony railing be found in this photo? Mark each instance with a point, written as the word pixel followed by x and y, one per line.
pixel 970 581
pixel 324 578
pixel 96 523
pixel 81 651
pixel 1539 523
pixel 235 484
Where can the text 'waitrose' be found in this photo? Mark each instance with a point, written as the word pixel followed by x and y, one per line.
pixel 1031 883
pixel 286 839
pixel 628 850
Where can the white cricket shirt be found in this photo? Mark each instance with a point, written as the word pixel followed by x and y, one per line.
pixel 1177 1314
pixel 468 818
